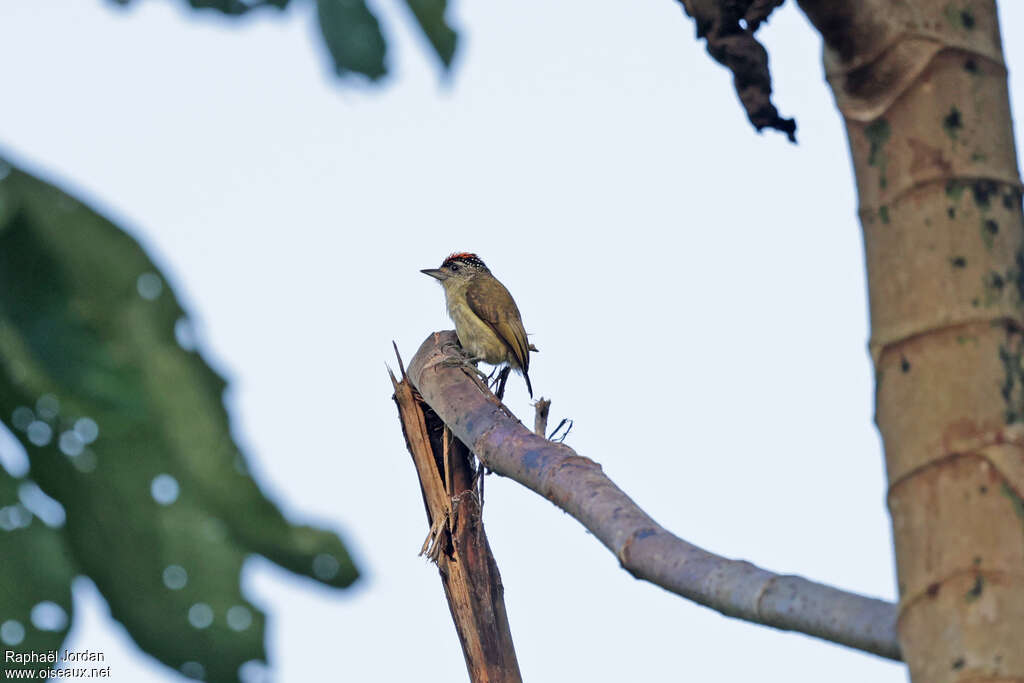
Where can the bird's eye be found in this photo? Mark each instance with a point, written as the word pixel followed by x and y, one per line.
pixel 454 267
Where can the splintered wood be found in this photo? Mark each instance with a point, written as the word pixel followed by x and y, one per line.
pixel 456 541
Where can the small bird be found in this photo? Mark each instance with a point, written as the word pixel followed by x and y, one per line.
pixel 486 318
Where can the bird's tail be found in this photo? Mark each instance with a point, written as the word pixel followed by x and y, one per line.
pixel 529 388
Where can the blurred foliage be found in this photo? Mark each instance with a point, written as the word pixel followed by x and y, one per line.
pixel 35 577
pixel 352 32
pixel 125 427
pixel 232 7
pixel 353 36
pixel 430 15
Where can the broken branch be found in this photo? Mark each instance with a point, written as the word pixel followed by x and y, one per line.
pixel 578 485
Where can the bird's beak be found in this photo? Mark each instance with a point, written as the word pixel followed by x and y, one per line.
pixel 435 273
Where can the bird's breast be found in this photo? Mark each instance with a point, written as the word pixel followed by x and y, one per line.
pixel 476 336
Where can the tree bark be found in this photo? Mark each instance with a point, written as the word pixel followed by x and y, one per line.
pixel 921 85
pixel 577 485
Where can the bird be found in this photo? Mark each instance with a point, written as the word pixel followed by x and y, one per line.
pixel 487 320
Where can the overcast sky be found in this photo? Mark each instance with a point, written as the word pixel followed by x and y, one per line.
pixel 697 292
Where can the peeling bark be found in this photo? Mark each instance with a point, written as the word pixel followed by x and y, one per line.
pixel 922 87
pixel 578 485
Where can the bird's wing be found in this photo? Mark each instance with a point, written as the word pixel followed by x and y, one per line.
pixel 492 303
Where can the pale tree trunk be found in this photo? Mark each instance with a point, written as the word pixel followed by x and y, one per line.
pixel 921 85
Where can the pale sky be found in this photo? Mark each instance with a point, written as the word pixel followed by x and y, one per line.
pixel 697 292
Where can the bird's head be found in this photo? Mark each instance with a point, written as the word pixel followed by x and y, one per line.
pixel 457 268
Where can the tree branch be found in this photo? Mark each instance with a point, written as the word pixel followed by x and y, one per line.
pixel 578 485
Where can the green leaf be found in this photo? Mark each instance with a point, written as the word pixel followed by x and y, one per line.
pixel 430 16
pixel 126 428
pixel 236 7
pixel 229 7
pixel 352 32
pixel 35 580
pixel 353 37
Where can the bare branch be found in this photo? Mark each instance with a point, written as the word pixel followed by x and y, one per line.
pixel 646 550
pixel 540 418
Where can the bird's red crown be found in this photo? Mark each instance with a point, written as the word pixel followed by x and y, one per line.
pixel 464 257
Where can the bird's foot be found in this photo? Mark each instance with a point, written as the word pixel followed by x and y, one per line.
pixel 451 348
pixel 462 360
pixel 455 355
pixel 497 385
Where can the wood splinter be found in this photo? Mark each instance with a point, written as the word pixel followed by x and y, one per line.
pixel 457 542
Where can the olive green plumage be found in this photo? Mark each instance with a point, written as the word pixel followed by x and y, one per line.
pixel 487 320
